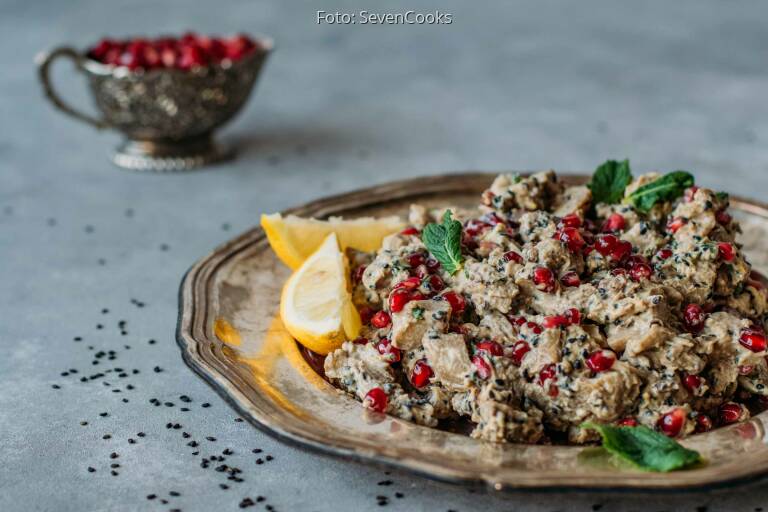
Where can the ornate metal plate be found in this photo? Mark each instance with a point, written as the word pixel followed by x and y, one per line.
pixel 230 334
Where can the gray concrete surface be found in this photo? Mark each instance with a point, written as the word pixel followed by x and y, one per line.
pixel 507 85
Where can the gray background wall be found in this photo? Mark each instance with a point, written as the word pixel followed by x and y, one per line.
pixel 508 85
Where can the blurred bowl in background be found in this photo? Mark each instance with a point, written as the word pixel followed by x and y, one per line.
pixel 167 114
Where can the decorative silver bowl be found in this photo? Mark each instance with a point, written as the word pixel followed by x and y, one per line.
pixel 167 115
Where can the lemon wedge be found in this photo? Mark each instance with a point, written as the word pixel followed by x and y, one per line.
pixel 294 238
pixel 316 303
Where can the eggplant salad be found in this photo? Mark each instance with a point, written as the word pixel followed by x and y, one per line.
pixel 626 301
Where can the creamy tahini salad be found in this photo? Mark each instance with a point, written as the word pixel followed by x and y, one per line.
pixel 626 302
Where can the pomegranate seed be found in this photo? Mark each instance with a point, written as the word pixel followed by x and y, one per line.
pixel 723 217
pixel 410 231
pixel 416 259
pixel 601 361
pixel 408 284
pixel 366 314
pixel 398 299
pixel 421 374
pixel 357 274
pixel 435 283
pixel 692 382
pixel 376 400
pixel 482 367
pixel 672 422
pixel 615 222
pixel 474 227
pixel 726 251
pixel 521 320
pixel 360 340
pixel 694 318
pixel 571 238
pixel 570 279
pixel 636 259
pixel 381 320
pixel 191 57
pixel 640 271
pixel 573 315
pixel 169 57
pixel 689 193
pixel 238 47
pixel 519 349
pixel 546 374
pixel 457 302
pixel 570 221
pixel 536 328
pixel 753 340
pixel 544 279
pixel 606 244
pixel 552 322
pixel 390 352
pixel 664 254
pixel 621 250
pixel 675 224
pixel 703 423
pixel 491 347
pixel 730 412
pixel 627 422
pixel 512 256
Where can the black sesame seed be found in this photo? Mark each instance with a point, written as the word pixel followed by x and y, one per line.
pixel 106 436
pixel 91 469
pixel 174 493
pixel 206 404
pixel 151 496
pixel 113 455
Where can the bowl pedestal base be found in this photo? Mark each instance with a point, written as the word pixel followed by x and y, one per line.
pixel 170 155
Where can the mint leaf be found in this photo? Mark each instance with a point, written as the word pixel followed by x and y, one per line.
pixel 443 241
pixel 609 181
pixel 645 448
pixel 666 188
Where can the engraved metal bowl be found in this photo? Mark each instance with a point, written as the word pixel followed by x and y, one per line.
pixel 167 115
pixel 230 334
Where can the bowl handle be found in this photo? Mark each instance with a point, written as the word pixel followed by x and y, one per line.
pixel 44 62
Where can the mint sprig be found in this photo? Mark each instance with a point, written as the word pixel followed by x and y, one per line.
pixel 443 241
pixel 609 181
pixel 645 448
pixel 666 188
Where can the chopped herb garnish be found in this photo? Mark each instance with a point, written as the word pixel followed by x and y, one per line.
pixel 443 241
pixel 609 181
pixel 645 448
pixel 666 188
pixel 417 313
